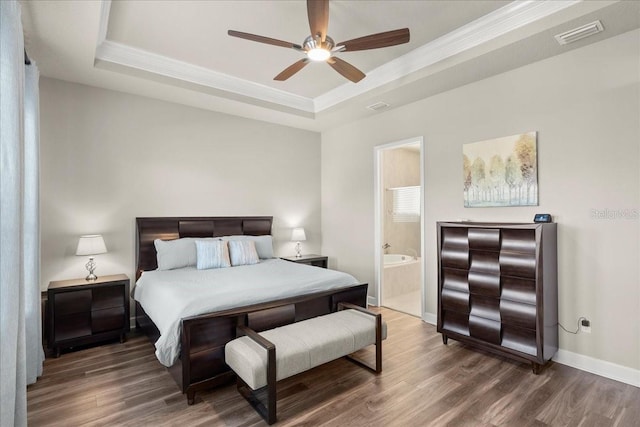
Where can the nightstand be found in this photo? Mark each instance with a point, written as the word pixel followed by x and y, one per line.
pixel 81 312
pixel 315 260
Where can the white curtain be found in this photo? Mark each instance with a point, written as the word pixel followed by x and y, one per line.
pixel 21 352
pixel 31 224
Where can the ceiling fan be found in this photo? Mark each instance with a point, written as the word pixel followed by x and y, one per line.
pixel 320 47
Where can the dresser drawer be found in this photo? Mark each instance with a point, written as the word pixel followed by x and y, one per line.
pixel 518 314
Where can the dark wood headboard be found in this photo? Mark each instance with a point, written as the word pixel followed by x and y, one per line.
pixel 168 228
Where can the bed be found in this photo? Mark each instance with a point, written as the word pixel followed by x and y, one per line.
pixel 198 362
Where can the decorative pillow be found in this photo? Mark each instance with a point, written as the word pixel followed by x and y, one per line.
pixel 212 254
pixel 243 252
pixel 176 253
pixel 264 244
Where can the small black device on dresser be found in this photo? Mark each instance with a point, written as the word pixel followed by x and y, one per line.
pixel 539 218
pixel 84 312
pixel 314 260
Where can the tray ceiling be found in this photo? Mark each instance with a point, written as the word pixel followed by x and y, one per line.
pixel 180 51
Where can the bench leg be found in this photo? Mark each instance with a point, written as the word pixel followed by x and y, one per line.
pixel 378 367
pixel 271 400
pixel 266 410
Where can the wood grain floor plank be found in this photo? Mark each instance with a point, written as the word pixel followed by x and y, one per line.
pixel 515 389
pixel 570 405
pixel 423 383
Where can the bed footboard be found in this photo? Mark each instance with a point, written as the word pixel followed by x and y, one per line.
pixel 202 363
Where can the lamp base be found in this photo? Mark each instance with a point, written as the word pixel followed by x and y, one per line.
pixel 298 253
pixel 90 266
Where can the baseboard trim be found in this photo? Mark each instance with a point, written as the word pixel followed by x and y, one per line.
pixel 373 301
pixel 430 318
pixel 603 368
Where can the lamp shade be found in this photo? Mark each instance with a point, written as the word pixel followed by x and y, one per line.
pixel 91 245
pixel 298 235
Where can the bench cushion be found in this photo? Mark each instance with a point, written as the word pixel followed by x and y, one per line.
pixel 303 345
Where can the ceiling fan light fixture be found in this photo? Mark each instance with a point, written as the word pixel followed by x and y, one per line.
pixel 318 54
pixel 317 50
pixel 319 47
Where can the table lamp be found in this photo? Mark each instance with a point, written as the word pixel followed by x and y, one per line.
pixel 298 235
pixel 92 244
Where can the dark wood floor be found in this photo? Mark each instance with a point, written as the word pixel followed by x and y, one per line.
pixel 423 383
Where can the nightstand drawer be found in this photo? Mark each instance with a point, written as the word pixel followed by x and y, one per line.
pixel 72 302
pixel 107 320
pixel 110 297
pixel 71 326
pixel 313 260
pixel 320 263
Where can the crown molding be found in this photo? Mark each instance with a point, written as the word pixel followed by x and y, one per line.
pixel 121 54
pixel 489 27
pixel 103 24
pixel 128 56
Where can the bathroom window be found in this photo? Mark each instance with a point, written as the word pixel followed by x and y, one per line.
pixel 406 204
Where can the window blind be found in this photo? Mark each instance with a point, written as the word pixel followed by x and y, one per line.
pixel 406 204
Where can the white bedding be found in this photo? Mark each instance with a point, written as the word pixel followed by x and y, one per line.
pixel 168 296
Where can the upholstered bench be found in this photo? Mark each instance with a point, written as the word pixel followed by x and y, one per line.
pixel 259 360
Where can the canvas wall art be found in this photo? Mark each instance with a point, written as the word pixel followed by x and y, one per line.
pixel 501 171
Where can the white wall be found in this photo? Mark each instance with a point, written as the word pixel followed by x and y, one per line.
pixel 108 157
pixel 585 106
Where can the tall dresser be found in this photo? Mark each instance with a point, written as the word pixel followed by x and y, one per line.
pixel 497 288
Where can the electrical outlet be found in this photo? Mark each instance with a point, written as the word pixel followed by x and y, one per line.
pixel 585 326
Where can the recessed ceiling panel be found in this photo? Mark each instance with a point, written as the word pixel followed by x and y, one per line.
pixel 195 32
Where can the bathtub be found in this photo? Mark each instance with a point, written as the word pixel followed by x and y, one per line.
pixel 401 281
pixel 395 259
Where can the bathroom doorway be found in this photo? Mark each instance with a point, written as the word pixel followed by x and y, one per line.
pixel 399 221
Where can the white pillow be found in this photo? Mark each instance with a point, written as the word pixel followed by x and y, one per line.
pixel 176 253
pixel 212 254
pixel 264 244
pixel 243 252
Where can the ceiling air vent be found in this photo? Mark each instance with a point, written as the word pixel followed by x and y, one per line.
pixel 579 33
pixel 378 106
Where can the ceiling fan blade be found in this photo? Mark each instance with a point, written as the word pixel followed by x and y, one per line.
pixel 346 69
pixel 375 41
pixel 262 39
pixel 292 69
pixel 318 13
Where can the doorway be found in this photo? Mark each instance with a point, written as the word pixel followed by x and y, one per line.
pixel 399 229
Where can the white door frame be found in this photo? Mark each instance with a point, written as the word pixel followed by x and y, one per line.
pixel 378 208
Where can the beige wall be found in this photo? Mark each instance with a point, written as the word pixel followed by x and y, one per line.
pixel 107 157
pixel 585 106
pixel 400 168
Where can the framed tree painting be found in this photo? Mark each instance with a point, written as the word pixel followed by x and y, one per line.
pixel 501 171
